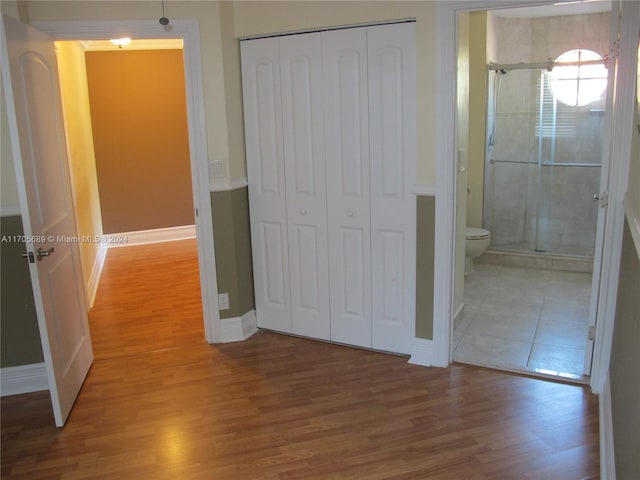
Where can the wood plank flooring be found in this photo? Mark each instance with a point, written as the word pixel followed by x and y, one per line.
pixel 148 299
pixel 159 403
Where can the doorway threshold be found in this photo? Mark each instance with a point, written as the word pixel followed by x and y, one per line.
pixel 540 374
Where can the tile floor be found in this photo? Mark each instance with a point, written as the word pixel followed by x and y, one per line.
pixel 524 319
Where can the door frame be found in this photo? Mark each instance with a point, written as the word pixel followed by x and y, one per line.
pixel 189 32
pixel 446 131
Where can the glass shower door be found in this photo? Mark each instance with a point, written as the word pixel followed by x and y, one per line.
pixel 569 149
pixel 543 160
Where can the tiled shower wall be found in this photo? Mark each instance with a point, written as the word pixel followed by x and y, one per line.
pixel 516 194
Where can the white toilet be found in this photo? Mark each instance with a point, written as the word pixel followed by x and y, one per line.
pixel 477 240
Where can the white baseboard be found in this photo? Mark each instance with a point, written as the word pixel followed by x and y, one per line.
pixel 225 185
pixel 96 272
pixel 607 457
pixel 156 235
pixel 238 329
pixel 425 189
pixel 422 353
pixel 23 379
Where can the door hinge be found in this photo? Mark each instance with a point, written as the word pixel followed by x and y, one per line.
pixel 30 256
pixel 592 333
pixel 614 50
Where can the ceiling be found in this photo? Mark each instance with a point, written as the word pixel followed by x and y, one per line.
pixel 161 44
pixel 556 9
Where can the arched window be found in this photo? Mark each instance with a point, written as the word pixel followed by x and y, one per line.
pixel 577 84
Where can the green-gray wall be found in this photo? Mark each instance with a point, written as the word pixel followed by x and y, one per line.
pixel 425 230
pixel 232 239
pixel 19 334
pixel 624 370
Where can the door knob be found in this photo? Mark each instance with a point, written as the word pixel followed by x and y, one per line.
pixel 44 253
pixel 303 211
pixel 349 213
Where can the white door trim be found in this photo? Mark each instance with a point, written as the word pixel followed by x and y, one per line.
pixel 446 199
pixel 621 140
pixel 189 31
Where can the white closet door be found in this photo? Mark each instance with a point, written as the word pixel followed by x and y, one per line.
pixel 347 153
pixel 303 133
pixel 265 170
pixel 392 133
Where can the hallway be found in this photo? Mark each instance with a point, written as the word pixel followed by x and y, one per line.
pixel 148 300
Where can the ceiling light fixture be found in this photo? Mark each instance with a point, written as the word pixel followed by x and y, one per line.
pixel 164 20
pixel 121 42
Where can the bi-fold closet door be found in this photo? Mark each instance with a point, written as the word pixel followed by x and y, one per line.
pixel 330 138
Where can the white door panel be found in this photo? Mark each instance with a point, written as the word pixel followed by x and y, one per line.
pixel 331 162
pixel 304 157
pixel 392 134
pixel 347 153
pixel 391 255
pixel 30 80
pixel 274 250
pixel 265 170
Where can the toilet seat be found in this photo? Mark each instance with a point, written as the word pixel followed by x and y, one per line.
pixel 473 233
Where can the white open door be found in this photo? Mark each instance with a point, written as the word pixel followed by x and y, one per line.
pixel 30 81
pixel 602 195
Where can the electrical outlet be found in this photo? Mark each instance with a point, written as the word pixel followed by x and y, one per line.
pixel 223 301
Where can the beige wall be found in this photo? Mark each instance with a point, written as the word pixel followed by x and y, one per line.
pixel 233 95
pixel 267 17
pixel 633 188
pixel 477 116
pixel 141 138
pixel 82 162
pixel 463 152
pixel 8 187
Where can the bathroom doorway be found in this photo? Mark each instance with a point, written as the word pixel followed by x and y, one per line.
pixel 528 305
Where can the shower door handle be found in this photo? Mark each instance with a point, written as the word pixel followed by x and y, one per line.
pixel 601 198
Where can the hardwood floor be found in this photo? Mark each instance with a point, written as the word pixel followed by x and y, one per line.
pixel 159 403
pixel 148 299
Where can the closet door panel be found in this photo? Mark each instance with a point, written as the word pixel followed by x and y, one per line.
pixel 304 156
pixel 347 153
pixel 265 171
pixel 392 98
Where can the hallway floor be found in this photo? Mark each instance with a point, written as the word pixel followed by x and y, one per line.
pixel 524 319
